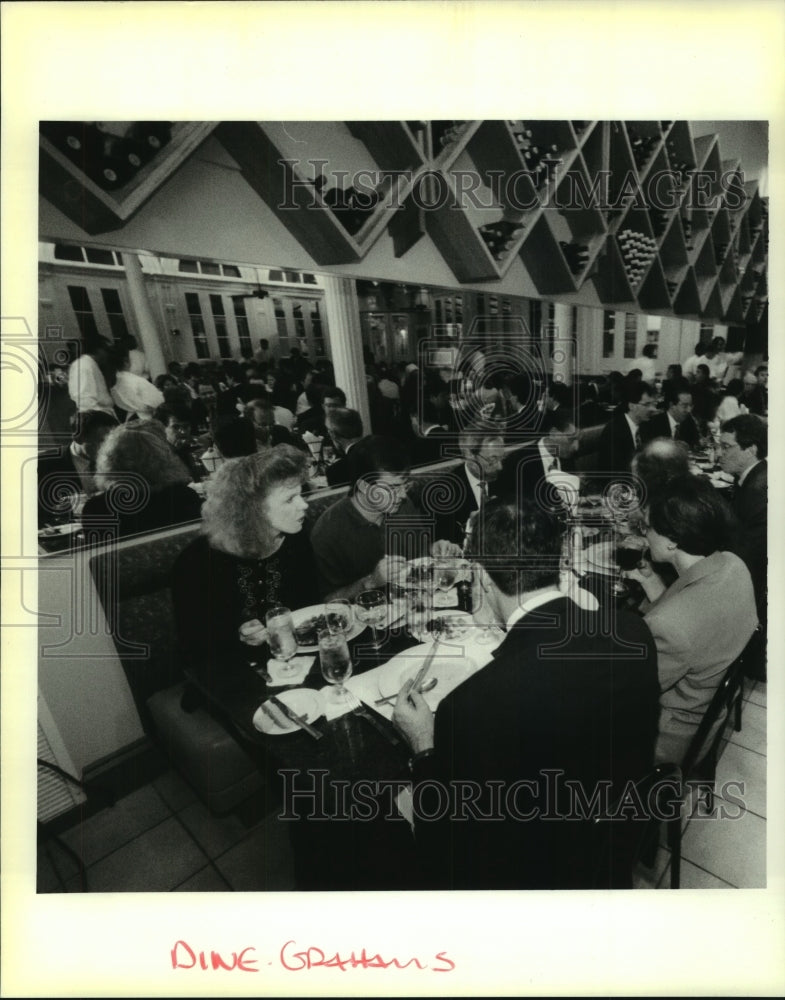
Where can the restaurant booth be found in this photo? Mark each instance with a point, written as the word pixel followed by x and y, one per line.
pixel 455 236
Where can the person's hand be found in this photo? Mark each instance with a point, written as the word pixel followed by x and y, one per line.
pixel 388 570
pixel 643 572
pixel 442 549
pixel 253 633
pixel 413 718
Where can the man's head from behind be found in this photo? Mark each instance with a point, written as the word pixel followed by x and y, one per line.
pixel 518 547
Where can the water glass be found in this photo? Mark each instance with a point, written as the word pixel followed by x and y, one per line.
pixel 371 609
pixel 336 663
pixel 281 637
pixel 339 616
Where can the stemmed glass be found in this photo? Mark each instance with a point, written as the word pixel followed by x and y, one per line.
pixel 419 612
pixel 338 614
pixel 445 574
pixel 336 663
pixel 281 638
pixel 371 609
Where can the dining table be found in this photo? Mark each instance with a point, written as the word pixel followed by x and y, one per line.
pixel 345 792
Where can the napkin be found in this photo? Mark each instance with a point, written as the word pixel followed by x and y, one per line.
pixel 278 679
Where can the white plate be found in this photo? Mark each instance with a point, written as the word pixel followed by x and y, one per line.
pixel 60 529
pixel 303 701
pixel 303 614
pixel 720 484
pixel 450 667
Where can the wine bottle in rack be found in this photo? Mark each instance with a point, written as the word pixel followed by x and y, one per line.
pixel 576 255
pixel 659 221
pixel 642 146
pixel 672 287
pixel 637 251
pixel 687 226
pixel 151 136
pixel 445 133
pixel 500 237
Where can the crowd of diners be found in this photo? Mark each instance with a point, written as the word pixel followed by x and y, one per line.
pixel 246 429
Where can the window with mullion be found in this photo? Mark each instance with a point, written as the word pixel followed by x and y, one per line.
pixel 83 311
pixel 197 325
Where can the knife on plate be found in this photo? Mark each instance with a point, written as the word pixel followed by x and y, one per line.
pixel 420 676
pixel 298 720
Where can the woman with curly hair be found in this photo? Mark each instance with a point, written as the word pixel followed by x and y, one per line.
pixel 145 484
pixel 252 555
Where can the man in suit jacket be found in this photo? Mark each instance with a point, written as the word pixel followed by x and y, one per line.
pixel 566 709
pixel 345 428
pixel 743 451
pixel 621 436
pixel 524 471
pixel 676 421
pixel 463 490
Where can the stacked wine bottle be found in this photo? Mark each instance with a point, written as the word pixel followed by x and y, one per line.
pixel 500 237
pixel 576 255
pixel 445 133
pixel 538 151
pixel 687 227
pixel 642 146
pixel 637 251
pixel 110 154
pixel 673 287
pixel 659 220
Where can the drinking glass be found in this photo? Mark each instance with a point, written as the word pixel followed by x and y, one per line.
pixel 419 612
pixel 281 638
pixel 336 663
pixel 445 573
pixel 371 609
pixel 338 615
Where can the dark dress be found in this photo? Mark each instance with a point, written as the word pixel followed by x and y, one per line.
pixel 176 504
pixel 215 593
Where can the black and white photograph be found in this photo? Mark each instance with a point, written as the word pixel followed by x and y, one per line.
pixel 394 524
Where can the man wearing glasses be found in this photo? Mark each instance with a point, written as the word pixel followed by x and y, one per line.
pixel 360 539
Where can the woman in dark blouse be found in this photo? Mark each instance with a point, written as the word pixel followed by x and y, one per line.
pixel 252 556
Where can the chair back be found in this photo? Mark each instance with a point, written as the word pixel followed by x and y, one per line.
pixel 632 823
pixel 709 733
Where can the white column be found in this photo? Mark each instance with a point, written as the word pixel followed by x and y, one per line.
pixel 346 346
pixel 145 321
pixel 562 360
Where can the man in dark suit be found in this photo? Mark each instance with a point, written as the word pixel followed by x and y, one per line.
pixel 675 421
pixel 621 436
pixel 524 471
pixel 458 493
pixel 743 451
pixel 504 775
pixel 345 428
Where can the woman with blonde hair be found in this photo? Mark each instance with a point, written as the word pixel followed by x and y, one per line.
pixel 144 483
pixel 252 556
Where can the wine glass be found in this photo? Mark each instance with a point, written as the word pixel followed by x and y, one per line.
pixel 419 612
pixel 445 574
pixel 281 638
pixel 338 615
pixel 371 609
pixel 336 663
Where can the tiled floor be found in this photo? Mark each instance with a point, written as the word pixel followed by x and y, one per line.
pixel 161 838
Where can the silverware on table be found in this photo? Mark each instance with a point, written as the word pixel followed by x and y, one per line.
pixel 420 675
pixel 357 708
pixel 295 718
pixel 394 697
